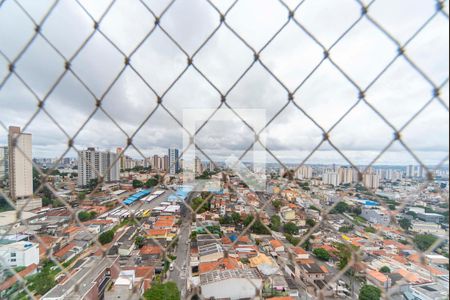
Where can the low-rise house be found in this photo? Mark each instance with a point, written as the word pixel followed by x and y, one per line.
pixel 376 216
pixel 67 252
pixel 246 251
pixel 378 279
pixel 429 291
pixel 7 286
pixel 300 253
pixel 228 263
pixel 231 284
pixel 265 264
pixel 158 234
pixel 210 253
pixel 278 283
pixel 277 246
pixel 430 228
pixel 88 281
pixel 310 272
pixel 19 254
pixel 287 214
pixel 131 283
pixel 126 242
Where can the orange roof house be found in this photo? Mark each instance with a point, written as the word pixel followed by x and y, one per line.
pixel 164 224
pixel 151 250
pixel 157 232
pixel 222 264
pixel 13 279
pixel 276 244
pixel 45 242
pixel 63 251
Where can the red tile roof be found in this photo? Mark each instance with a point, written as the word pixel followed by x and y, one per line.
pixel 276 244
pixel 45 242
pixel 12 280
pixel 157 232
pixel 299 251
pixel 150 250
pixel 224 263
pixel 63 251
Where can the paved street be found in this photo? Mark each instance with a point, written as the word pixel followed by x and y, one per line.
pixel 181 271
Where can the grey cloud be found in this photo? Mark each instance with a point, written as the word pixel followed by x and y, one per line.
pixel 325 96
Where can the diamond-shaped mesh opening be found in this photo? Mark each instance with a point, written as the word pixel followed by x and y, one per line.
pixel 351 148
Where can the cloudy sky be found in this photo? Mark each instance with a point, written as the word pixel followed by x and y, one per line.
pixel 325 94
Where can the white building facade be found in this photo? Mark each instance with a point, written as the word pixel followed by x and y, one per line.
pixel 20 254
pixel 93 164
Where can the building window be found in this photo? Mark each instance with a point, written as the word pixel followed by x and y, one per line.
pixel 13 254
pixel 13 260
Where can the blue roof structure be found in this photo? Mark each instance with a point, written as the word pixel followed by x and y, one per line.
pixel 181 194
pixel 137 197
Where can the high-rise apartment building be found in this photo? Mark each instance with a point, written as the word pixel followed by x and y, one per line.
pixel 4 158
pixel 371 180
pixel 331 178
pixel 166 163
pixel 174 165
pixel 410 171
pixel 304 172
pixel 157 163
pixel 93 164
pixel 198 166
pixel 20 165
pixel 346 175
pixel 119 152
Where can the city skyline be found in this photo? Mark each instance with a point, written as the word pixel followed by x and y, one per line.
pixel 326 97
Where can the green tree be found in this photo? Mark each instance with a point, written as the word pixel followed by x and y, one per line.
pixel 137 184
pixel 370 230
pixel 344 253
pixel 236 218
pixel 405 224
pixel 259 228
pixel 197 202
pixel 275 223
pixel 291 228
pixel 277 204
pixel 312 207
pixel 310 222
pixel 86 216
pixel 346 229
pixel 293 240
pixel 392 207
pixel 139 241
pixel 425 241
pixel 106 237
pixel 370 292
pixel 340 208
pixel 226 220
pixel 166 291
pixel 412 214
pixel 81 196
pixel 322 254
pixel 248 220
pixel 152 182
pixel 385 270
pixel 93 183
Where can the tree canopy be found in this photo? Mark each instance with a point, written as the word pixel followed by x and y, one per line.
pixel 166 291
pixel 106 237
pixel 291 228
pixel 370 292
pixel 322 254
pixel 340 208
pixel 425 241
